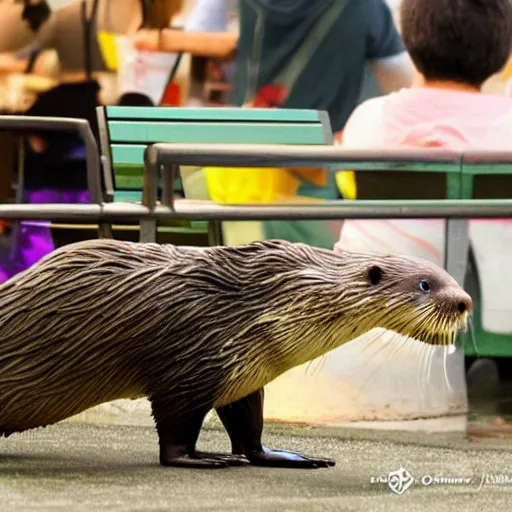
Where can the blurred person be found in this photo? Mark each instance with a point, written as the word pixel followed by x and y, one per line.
pixel 19 22
pixel 143 77
pixel 55 166
pixel 213 16
pixel 65 29
pixel 299 54
pixel 444 108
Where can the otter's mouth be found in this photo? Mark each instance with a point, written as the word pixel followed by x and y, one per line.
pixel 429 325
pixel 440 330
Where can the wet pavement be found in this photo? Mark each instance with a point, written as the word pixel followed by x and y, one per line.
pixel 75 466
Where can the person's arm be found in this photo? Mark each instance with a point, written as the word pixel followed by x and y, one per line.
pixel 221 45
pixel 394 73
pixel 391 64
pixel 205 34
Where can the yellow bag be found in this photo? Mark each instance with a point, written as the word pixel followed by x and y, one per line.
pixel 238 185
pixel 346 182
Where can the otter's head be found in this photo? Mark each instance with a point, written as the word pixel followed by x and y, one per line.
pixel 305 301
pixel 410 296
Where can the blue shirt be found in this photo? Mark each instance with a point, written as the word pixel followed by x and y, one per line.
pixel 311 53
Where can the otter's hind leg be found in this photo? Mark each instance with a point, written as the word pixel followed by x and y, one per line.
pixel 243 421
pixel 177 436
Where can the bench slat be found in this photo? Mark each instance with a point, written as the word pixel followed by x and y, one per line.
pixel 128 130
pixel 216 133
pixel 212 114
pixel 128 196
pixel 131 154
pixel 128 177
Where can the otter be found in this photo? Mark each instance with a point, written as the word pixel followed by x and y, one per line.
pixel 196 329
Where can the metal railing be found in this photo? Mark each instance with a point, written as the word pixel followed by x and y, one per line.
pixel 203 210
pixel 166 159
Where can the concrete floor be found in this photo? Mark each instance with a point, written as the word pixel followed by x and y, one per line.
pixel 74 466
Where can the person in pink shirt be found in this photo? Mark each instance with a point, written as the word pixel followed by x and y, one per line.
pixel 456 45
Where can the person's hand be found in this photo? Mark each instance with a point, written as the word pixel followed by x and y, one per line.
pixel 146 40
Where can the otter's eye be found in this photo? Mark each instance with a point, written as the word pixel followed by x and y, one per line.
pixel 425 286
pixel 374 274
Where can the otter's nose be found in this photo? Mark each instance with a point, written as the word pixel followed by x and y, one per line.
pixel 463 302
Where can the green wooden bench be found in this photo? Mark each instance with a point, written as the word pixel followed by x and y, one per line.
pixel 125 132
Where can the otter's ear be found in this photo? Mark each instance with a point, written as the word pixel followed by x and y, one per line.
pixel 374 274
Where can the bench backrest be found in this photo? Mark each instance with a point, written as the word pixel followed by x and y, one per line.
pixel 126 131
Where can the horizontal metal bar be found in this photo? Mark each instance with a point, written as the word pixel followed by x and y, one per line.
pixel 342 210
pixel 490 162
pixel 275 155
pixel 205 210
pixel 22 122
pixel 51 211
pixel 484 157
